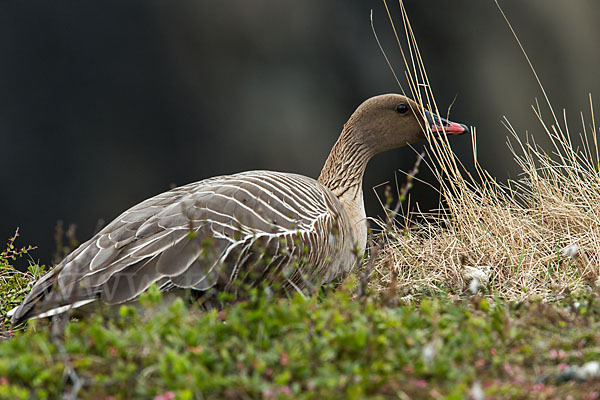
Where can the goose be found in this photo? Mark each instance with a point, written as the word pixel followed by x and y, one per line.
pixel 252 228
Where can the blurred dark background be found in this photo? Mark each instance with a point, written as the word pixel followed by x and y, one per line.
pixel 106 103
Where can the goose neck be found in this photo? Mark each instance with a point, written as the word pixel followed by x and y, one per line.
pixel 344 169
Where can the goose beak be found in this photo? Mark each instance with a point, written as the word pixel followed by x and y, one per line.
pixel 441 125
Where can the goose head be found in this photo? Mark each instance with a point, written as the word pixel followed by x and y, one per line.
pixel 390 121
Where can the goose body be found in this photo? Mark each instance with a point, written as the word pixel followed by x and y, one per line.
pixel 257 227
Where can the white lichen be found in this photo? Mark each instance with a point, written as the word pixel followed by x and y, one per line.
pixel 570 251
pixel 481 273
pixel 477 392
pixel 474 286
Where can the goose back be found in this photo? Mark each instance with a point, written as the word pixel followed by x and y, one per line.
pixel 257 226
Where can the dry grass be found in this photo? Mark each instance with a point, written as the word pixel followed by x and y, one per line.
pixel 518 231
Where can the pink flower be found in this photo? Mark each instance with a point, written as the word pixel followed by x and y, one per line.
pixel 165 396
pixel 284 359
pixel 563 366
pixel 558 354
pixel 421 383
pixel 285 390
pixel 539 387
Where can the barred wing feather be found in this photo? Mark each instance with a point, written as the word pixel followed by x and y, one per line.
pixel 253 227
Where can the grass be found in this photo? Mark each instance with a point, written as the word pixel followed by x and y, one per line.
pixel 494 295
pixel 513 234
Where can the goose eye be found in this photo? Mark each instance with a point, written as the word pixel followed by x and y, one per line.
pixel 401 108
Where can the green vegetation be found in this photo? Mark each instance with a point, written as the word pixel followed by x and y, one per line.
pixel 340 345
pixel 13 283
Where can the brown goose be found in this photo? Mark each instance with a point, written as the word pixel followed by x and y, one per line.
pixel 276 228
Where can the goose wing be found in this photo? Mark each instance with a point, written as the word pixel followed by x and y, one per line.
pixel 256 226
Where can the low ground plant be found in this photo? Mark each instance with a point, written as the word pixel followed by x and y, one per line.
pixel 14 284
pixel 335 347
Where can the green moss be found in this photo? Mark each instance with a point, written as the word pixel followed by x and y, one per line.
pixel 332 347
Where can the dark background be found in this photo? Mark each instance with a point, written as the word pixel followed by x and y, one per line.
pixel 106 103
